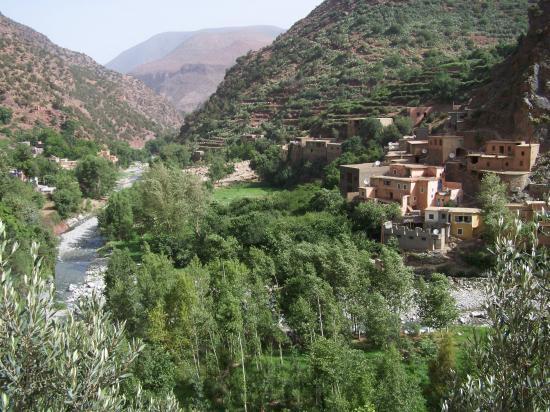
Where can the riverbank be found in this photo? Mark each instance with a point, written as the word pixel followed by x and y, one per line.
pixel 79 267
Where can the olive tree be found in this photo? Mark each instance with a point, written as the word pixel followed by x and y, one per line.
pixel 60 361
pixel 512 361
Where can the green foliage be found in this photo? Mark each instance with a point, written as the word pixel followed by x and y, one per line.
pixel 218 169
pixel 20 207
pixel 96 177
pixel 117 219
pixel 396 390
pixel 493 200
pixel 444 87
pixel 370 216
pixel 437 308
pixel 67 196
pixel 73 363
pixel 441 372
pixel 5 115
pixel 511 360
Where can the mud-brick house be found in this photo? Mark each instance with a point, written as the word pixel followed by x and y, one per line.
pixel 461 222
pixel 512 161
pixel 354 176
pixel 444 148
pixel 413 187
pixel 314 150
pixel 504 156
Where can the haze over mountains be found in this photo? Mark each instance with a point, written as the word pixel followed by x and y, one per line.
pixel 46 85
pixel 187 67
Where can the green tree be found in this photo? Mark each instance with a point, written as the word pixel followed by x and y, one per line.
pixel 512 371
pixel 370 216
pixel 396 390
pixel 441 372
pixel 5 115
pixel 493 199
pixel 117 219
pixel 75 363
pixel 171 202
pixel 218 169
pixel 341 378
pixel 444 87
pixel 437 308
pixel 67 196
pixel 96 177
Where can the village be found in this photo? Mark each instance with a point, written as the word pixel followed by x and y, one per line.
pixel 435 180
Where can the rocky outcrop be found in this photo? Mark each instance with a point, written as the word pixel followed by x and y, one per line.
pixel 517 101
pixel 44 84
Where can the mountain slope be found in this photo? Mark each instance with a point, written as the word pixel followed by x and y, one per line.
pixel 44 84
pixel 357 58
pixel 190 73
pixel 517 101
pixel 150 50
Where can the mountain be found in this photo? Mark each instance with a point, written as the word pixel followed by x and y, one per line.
pixel 150 50
pixel 357 58
pixel 44 84
pixel 516 103
pixel 187 73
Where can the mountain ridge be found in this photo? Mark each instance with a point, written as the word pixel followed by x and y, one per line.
pixel 45 84
pixel 191 72
pixel 350 58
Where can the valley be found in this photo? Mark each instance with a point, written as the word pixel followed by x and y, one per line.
pixel 350 215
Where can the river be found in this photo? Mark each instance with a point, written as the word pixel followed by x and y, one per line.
pixel 79 267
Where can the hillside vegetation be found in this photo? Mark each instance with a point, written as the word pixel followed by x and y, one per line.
pixel 42 84
pixel 352 58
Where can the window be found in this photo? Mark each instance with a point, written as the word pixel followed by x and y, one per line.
pixel 398 236
pixel 394 172
pixel 431 216
pixel 411 238
pixel 443 216
pixel 421 190
pixel 494 148
pixel 459 219
pixel 506 164
pixel 460 231
pixel 405 187
pixel 488 164
pixel 414 198
pixel 387 183
pixel 423 239
pixel 399 185
pixel 468 219
pixel 501 149
pixel 523 153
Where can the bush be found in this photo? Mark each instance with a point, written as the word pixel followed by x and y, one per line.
pixel 5 115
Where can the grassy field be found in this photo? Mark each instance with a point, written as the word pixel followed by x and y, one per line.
pixel 226 195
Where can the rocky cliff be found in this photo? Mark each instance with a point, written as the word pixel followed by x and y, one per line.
pixel 516 103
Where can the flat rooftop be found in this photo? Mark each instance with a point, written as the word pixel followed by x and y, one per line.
pixel 453 209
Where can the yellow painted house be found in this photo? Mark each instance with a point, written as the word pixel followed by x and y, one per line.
pixel 462 222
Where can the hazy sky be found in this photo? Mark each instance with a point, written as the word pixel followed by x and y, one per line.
pixel 104 28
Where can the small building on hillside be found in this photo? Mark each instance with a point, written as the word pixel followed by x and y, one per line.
pixel 444 148
pixel 413 187
pixel 504 156
pixel 354 176
pixel 106 154
pixel 414 239
pixel 314 150
pixel 461 222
